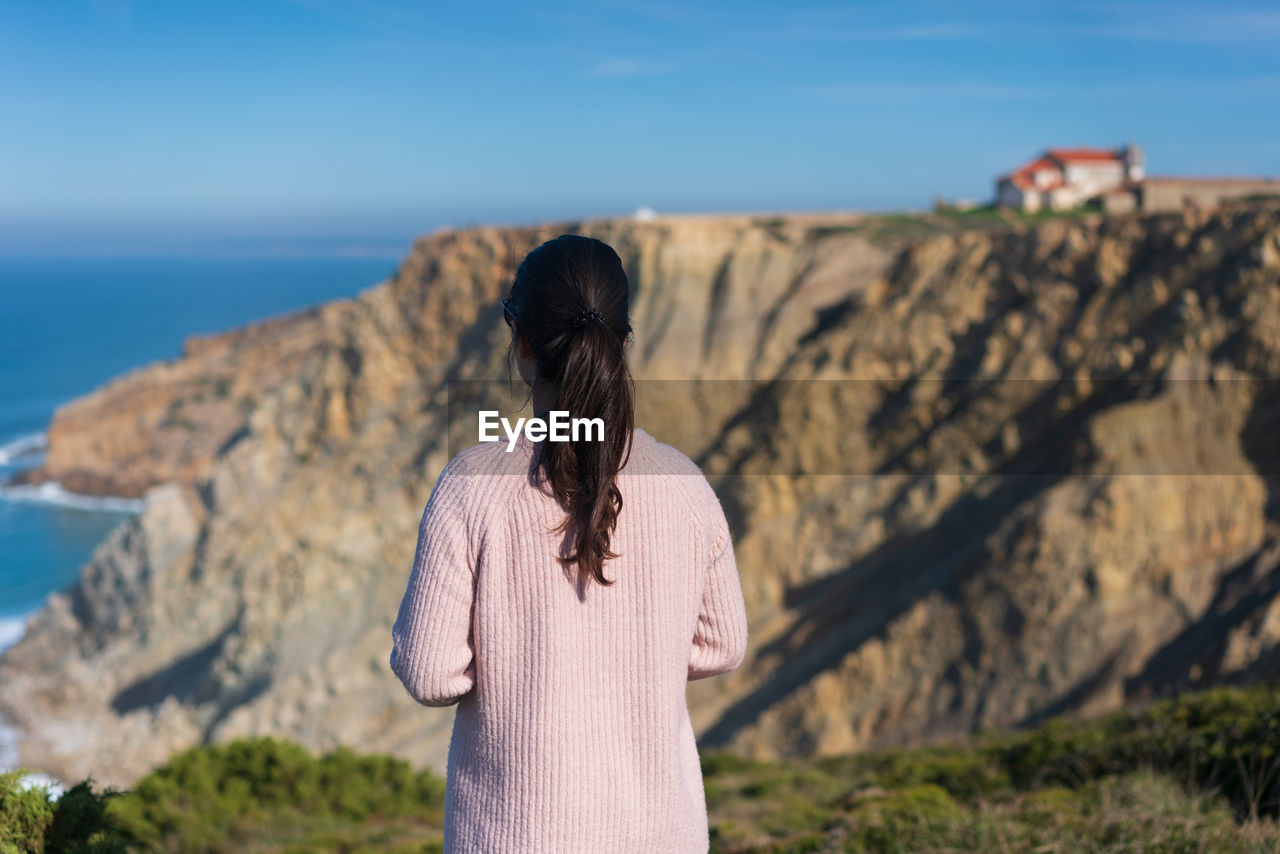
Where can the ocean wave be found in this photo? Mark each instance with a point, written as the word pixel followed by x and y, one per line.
pixel 52 492
pixel 11 630
pixel 35 781
pixel 11 761
pixel 8 747
pixel 23 446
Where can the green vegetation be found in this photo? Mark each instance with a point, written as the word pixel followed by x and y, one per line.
pixel 1197 773
pixel 268 795
pixel 251 795
pixel 31 822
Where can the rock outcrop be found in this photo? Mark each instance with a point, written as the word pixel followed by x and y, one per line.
pixel 976 479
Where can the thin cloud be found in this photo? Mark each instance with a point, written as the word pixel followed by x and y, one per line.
pixel 670 15
pixel 920 32
pixel 982 90
pixel 1188 23
pixel 940 89
pixel 118 12
pixel 346 10
pixel 625 67
pixel 1220 28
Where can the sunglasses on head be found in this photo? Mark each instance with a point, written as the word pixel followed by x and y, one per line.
pixel 507 314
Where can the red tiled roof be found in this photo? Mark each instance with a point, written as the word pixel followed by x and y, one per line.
pixel 1021 177
pixel 1054 159
pixel 1091 155
pixel 1024 181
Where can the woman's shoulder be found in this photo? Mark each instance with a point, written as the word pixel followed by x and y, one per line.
pixel 474 477
pixel 652 457
pixel 487 458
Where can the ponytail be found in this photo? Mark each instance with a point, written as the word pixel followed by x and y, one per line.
pixel 570 299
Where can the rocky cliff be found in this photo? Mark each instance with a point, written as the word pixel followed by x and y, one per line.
pixel 976 478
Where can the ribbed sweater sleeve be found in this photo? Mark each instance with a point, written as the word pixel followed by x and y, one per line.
pixel 720 635
pixel 433 650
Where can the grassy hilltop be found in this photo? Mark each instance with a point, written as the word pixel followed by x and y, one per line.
pixel 1197 773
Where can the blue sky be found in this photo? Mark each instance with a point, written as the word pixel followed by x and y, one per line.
pixel 332 124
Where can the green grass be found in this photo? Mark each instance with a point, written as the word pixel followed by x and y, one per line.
pixel 1196 773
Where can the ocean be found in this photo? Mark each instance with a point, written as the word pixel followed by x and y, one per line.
pixel 67 325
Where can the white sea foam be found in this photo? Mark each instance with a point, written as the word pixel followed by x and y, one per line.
pixel 31 781
pixel 8 747
pixel 52 492
pixel 9 762
pixel 23 446
pixel 11 631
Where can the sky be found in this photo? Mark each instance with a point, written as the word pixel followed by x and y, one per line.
pixel 350 126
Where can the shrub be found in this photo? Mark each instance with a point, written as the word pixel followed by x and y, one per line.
pixel 1225 740
pixel 208 797
pixel 33 822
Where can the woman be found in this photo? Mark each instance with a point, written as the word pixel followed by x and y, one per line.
pixel 563 593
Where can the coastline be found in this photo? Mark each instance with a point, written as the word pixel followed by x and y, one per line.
pixel 52 492
pixel 11 631
pixel 28 448
pixel 23 446
pixel 12 628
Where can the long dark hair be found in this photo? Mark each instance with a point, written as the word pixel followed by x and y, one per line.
pixel 570 299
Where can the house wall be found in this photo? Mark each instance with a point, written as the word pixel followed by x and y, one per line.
pixel 1062 198
pixel 1010 195
pixel 1093 178
pixel 1134 162
pixel 1046 177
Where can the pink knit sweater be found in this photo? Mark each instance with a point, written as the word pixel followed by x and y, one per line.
pixel 572 731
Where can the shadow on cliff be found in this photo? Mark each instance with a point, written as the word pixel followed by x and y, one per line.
pixel 840 612
pixel 1195 657
pixel 182 679
pixel 187 680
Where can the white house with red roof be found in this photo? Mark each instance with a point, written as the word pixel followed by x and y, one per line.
pixel 1063 178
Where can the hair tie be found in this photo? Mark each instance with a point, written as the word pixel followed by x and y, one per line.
pixel 586 317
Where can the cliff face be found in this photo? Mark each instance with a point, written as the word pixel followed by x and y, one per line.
pixel 1048 467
